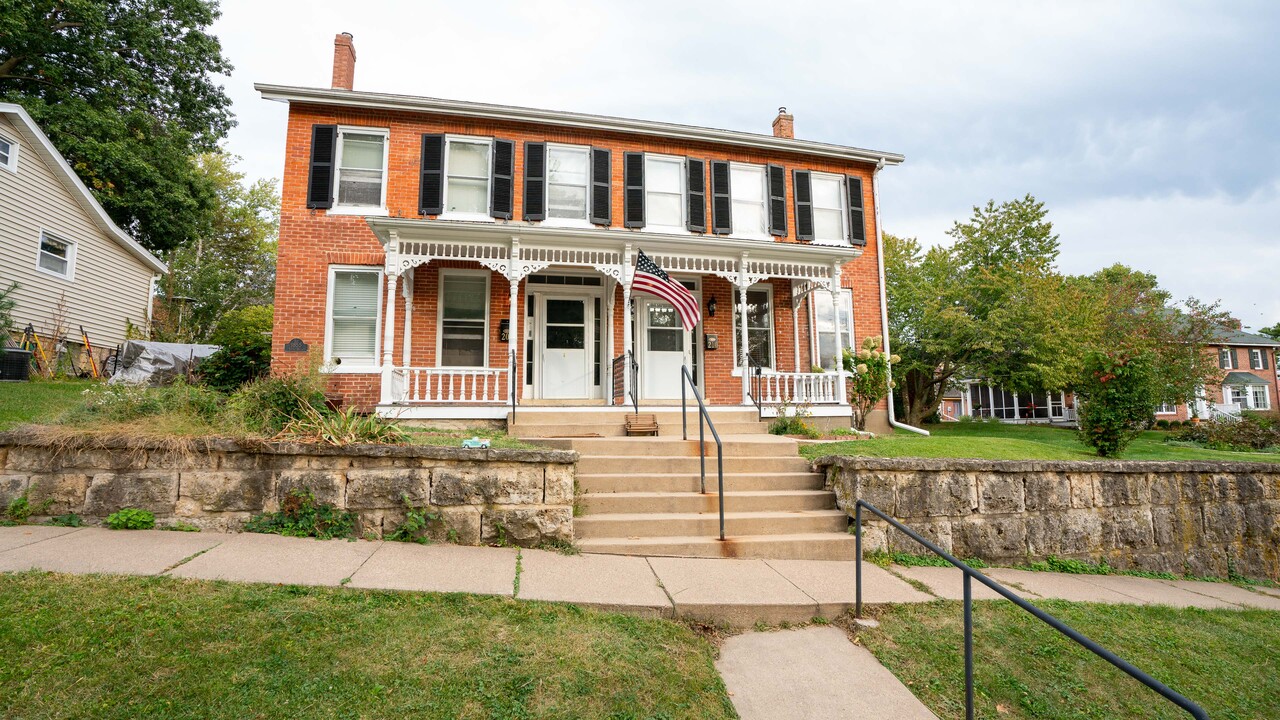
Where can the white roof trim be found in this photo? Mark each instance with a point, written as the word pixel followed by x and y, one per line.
pixel 386 101
pixel 72 182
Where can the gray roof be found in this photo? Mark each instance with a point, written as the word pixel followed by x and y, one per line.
pixel 1230 336
pixel 1242 378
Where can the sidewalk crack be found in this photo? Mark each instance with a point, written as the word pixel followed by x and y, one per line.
pixel 187 559
pixel 816 605
pixel 347 579
pixel 663 587
pixel 44 539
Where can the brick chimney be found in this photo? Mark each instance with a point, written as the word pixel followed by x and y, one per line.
pixel 784 126
pixel 344 62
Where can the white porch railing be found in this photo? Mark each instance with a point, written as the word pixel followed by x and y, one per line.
pixel 1224 410
pixel 445 385
pixel 808 388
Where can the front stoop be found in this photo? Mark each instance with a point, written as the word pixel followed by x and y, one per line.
pixel 641 496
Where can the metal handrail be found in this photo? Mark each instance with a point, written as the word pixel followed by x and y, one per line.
pixel 687 379
pixel 969 575
pixel 753 386
pixel 511 384
pixel 635 381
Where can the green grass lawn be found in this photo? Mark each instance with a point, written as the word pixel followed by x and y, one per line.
pixel 38 401
pixel 1227 661
pixel 454 438
pixel 998 441
pixel 117 647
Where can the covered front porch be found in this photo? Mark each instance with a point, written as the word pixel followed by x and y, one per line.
pixel 480 319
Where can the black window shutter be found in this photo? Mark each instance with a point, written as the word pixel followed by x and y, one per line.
pixel 777 201
pixel 1235 359
pixel 857 218
pixel 803 190
pixel 1265 366
pixel 502 190
pixel 324 146
pixel 431 183
pixel 535 181
pixel 633 189
pixel 696 182
pixel 721 204
pixel 601 186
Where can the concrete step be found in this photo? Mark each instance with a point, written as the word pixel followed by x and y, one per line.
pixel 613 427
pixel 613 464
pixel 629 525
pixel 800 546
pixel 664 414
pixel 733 445
pixel 692 502
pixel 689 482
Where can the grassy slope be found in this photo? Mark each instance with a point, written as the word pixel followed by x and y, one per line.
pixel 997 441
pixel 115 647
pixel 1225 660
pixel 38 401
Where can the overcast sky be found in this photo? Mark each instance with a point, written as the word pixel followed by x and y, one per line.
pixel 1150 129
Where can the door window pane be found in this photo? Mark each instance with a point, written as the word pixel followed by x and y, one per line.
pixel 561 312
pixel 666 340
pixel 464 302
pixel 566 337
pixel 467 188
pixel 353 336
pixel 360 170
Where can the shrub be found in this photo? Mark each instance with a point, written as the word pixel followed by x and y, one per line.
pixel 1162 424
pixel 243 326
pixel 131 519
pixel 1175 424
pixel 237 363
pixel 343 427
pixel 125 402
pixel 790 421
pixel 7 304
pixel 267 405
pixel 869 382
pixel 1116 396
pixel 301 516
pixel 1251 432
pixel 20 509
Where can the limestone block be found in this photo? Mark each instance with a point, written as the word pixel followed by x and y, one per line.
pixel 1250 487
pixel 1223 523
pixel 1000 493
pixel 328 486
pixel 526 526
pixel 109 492
pixel 226 490
pixel 4 456
pixel 196 459
pixel 874 536
pixel 938 531
pixel 1166 526
pixel 103 459
pixel 1262 523
pixel 558 484
pixel 1082 490
pixel 65 490
pixel 486 484
pixel 994 538
pixel 1128 528
pixel 387 488
pixel 1047 491
pixel 1078 532
pixel 1117 489
pixel 12 485
pixel 228 522
pixel 936 494
pixel 461 525
pixel 25 458
pixel 878 488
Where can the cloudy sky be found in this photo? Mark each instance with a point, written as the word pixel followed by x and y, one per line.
pixel 1150 129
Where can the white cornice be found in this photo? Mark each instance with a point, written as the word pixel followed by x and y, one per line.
pixel 386 101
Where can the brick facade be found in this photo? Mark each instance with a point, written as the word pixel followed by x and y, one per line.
pixel 1214 392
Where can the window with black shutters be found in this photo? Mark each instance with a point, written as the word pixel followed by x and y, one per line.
pixel 664 193
pixel 827 192
pixel 467 167
pixel 360 176
pixel 568 186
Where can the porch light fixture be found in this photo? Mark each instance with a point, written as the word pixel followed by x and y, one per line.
pixel 711 306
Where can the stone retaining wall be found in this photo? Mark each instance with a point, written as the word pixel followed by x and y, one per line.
pixel 525 496
pixel 1197 517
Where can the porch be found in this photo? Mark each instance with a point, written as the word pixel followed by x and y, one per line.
pixel 564 329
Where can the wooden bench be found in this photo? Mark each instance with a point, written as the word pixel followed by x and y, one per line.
pixel 641 425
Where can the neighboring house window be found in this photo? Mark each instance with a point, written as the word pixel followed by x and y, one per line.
pixel 362 162
pixel 567 182
pixel 354 314
pixel 1255 358
pixel 1260 397
pixel 464 314
pixel 759 328
pixel 1237 394
pixel 828 208
pixel 1226 359
pixel 1167 409
pixel 466 190
pixel 8 154
pixel 746 189
pixel 664 192
pixel 56 256
pixel 824 322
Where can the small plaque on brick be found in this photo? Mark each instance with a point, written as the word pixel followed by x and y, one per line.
pixel 296 345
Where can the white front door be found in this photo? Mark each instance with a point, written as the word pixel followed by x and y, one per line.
pixel 565 355
pixel 664 347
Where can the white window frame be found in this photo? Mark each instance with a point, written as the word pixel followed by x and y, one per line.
pixel 12 164
pixel 773 329
pixel 735 226
pixel 488 311
pixel 381 209
pixel 842 198
pixel 847 296
pixel 1229 395
pixel 1259 354
pixel 70 274
pixel 340 368
pixel 682 174
pixel 584 222
pixel 449 140
pixel 1226 359
pixel 1166 409
pixel 1253 398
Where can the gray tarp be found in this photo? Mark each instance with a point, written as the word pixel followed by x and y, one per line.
pixel 157 363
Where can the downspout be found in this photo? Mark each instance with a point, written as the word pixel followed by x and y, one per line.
pixel 884 305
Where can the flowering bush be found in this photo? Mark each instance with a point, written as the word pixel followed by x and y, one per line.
pixel 869 382
pixel 1117 394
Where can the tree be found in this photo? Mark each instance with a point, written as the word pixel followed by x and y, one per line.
pixel 230 267
pixel 1272 332
pixel 1117 392
pixel 125 90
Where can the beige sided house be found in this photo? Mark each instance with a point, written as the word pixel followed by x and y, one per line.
pixel 59 245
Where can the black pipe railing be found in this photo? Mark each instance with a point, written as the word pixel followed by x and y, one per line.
pixel 703 417
pixel 635 382
pixel 969 575
pixel 753 386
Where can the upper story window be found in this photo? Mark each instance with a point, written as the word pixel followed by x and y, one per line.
pixel 664 192
pixel 362 163
pixel 1256 358
pixel 57 256
pixel 1226 359
pixel 747 190
pixel 467 165
pixel 8 154
pixel 353 317
pixel 567 180
pixel 828 209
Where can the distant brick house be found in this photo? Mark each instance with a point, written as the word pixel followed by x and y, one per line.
pixel 440 252
pixel 1247 380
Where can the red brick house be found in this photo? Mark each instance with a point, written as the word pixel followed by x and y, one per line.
pixel 1247 380
pixel 439 252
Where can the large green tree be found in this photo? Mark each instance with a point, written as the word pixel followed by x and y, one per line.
pixel 1272 332
pixel 126 91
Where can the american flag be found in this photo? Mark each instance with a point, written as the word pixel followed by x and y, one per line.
pixel 654 280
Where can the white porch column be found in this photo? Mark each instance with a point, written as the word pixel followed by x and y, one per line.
pixel 795 332
pixel 742 339
pixel 406 351
pixel 628 332
pixel 388 342
pixel 840 378
pixel 515 341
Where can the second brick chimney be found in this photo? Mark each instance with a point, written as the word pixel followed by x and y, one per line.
pixel 344 62
pixel 784 126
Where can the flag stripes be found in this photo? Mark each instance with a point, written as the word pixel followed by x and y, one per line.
pixel 652 279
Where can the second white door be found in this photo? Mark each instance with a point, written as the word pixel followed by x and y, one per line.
pixel 566 359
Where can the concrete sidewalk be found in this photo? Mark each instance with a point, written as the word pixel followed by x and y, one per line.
pixel 732 591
